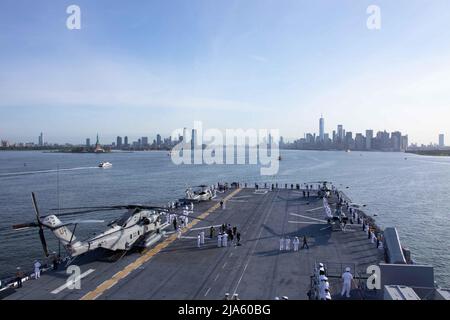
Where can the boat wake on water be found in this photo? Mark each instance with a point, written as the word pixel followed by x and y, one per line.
pixel 10 174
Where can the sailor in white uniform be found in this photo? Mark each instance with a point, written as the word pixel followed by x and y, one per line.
pixel 202 237
pixel 296 243
pixel 199 240
pixel 327 294
pixel 182 221
pixel 373 238
pixel 347 278
pixel 288 244
pixel 281 244
pixel 192 206
pixel 321 273
pixel 324 284
pixel 37 269
pixel 225 240
pixel 219 240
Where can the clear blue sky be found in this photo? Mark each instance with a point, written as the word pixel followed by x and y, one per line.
pixel 141 67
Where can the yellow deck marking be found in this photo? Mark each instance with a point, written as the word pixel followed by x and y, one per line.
pixel 92 295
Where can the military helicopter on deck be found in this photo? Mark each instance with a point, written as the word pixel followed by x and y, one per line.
pixel 134 227
pixel 200 193
pixel 324 188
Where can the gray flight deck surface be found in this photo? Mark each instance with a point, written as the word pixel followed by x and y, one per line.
pixel 255 270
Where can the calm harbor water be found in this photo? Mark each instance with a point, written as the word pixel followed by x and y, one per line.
pixel 407 191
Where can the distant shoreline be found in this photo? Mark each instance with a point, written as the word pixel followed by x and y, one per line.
pixel 431 153
pixel 76 152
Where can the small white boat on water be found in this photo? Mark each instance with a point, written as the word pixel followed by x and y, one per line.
pixel 105 165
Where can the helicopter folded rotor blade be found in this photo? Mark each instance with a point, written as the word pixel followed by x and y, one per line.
pixel 68 223
pixel 81 212
pixel 39 224
pixel 138 206
pixel 118 207
pixel 25 226
pixel 83 208
pixel 43 242
pixel 87 221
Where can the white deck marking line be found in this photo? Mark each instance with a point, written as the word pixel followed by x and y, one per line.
pixel 261 192
pixel 254 249
pixel 223 266
pixel 207 291
pixel 64 286
pixel 242 197
pixel 217 277
pixel 231 254
pixel 306 222
pixel 202 228
pixel 242 275
pixel 306 217
pixel 315 209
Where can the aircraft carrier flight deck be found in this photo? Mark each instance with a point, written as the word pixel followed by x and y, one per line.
pixel 176 268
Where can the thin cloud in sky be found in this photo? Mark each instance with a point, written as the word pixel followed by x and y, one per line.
pixel 258 58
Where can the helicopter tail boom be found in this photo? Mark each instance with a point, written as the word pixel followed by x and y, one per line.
pixel 59 229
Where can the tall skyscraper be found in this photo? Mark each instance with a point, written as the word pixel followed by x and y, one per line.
pixel 349 140
pixel 119 142
pixel 144 141
pixel 383 141
pixel 404 143
pixel 194 139
pixel 125 141
pixel 340 133
pixel 41 140
pixel 322 128
pixel 396 140
pixel 360 143
pixel 88 142
pixel 158 140
pixel 369 137
pixel 441 140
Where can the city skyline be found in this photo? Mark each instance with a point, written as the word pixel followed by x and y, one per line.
pixel 131 68
pixel 338 137
pixel 342 139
